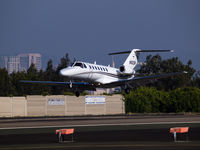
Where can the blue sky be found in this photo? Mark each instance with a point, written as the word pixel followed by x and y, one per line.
pixel 89 29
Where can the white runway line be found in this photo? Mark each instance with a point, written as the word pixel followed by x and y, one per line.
pixel 97 125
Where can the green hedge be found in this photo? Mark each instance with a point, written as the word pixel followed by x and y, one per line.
pixel 151 100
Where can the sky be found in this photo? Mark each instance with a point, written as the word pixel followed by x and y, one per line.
pixel 90 29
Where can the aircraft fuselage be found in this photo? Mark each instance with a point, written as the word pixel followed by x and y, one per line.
pixel 97 74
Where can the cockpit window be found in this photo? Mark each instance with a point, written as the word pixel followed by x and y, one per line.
pixel 78 64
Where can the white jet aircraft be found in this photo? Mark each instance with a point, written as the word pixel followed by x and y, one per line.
pixel 100 76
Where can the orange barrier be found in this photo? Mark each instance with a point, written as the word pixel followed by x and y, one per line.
pixel 176 130
pixel 65 131
pixel 179 130
pixel 62 132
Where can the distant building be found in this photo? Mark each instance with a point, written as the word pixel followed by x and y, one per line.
pixel 32 58
pixel 11 63
pixel 21 62
pixel 4 62
pixel 24 62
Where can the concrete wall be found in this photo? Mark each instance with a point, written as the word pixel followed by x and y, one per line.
pixel 19 106
pixel 12 106
pixel 36 105
pixel 55 110
pixel 75 105
pixel 115 105
pixel 58 105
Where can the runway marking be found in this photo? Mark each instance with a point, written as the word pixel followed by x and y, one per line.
pixel 97 125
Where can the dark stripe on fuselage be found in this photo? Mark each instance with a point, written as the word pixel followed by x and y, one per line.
pixel 106 73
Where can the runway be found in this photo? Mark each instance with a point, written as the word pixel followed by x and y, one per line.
pixel 118 132
pixel 95 121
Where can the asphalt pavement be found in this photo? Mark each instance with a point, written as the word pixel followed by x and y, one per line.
pixel 135 132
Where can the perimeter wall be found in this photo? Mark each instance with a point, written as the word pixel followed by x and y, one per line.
pixel 60 105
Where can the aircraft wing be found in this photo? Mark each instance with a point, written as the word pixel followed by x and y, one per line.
pixel 144 78
pixel 80 85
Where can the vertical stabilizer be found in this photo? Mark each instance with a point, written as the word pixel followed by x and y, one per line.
pixel 131 60
pixel 130 63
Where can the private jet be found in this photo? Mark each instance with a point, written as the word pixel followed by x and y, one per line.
pixel 100 76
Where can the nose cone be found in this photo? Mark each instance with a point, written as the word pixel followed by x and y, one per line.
pixel 66 72
pixel 61 72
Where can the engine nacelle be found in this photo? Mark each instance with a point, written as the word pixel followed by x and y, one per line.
pixel 126 71
pixel 122 69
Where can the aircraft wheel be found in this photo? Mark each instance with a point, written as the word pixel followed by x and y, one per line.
pixel 77 93
pixel 127 91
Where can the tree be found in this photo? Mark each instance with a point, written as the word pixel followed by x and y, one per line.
pixel 155 65
pixel 34 75
pixel 151 100
pixel 64 62
pixel 152 65
pixel 19 88
pixel 196 79
pixel 49 75
pixel 6 88
pixel 32 72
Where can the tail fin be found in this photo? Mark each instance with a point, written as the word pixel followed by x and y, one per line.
pixel 132 61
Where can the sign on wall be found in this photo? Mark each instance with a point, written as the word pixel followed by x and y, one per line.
pixel 95 100
pixel 56 101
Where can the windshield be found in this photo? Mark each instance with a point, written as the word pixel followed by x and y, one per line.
pixel 78 64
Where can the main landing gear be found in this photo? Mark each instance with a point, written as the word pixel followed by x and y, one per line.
pixel 127 90
pixel 77 93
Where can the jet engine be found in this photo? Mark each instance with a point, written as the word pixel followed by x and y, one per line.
pixel 121 69
pixel 125 70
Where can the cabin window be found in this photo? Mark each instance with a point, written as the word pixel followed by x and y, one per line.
pixel 95 67
pixel 90 67
pixel 84 66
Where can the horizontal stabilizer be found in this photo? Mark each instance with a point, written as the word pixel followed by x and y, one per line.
pixel 140 51
pixel 124 52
